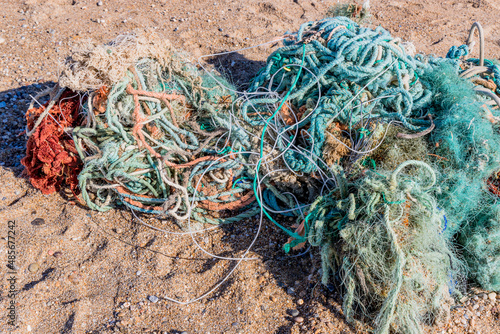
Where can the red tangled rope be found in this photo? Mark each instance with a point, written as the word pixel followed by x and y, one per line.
pixel 51 157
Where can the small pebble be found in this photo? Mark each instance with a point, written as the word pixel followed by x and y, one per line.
pixel 298 319
pixel 475 307
pixel 290 291
pixel 300 302
pixel 100 3
pixel 2 40
pixel 57 254
pixel 184 332
pixel 294 313
pixel 138 273
pixel 37 222
pixel 33 267
pixel 235 324
pixel 492 296
pixel 472 323
pixel 153 299
pixel 73 278
pixel 50 252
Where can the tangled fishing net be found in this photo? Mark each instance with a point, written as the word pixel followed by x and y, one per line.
pixel 364 109
pixel 389 162
pixel 92 66
pixel 397 269
pixel 51 158
pixel 155 132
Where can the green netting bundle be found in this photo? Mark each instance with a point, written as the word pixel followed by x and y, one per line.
pixel 468 137
pixel 384 234
pixel 468 141
pixel 480 240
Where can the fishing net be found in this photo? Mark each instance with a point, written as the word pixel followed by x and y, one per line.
pixel 480 240
pixel 51 159
pixel 388 162
pixel 160 142
pixel 355 76
pixel 468 139
pixel 384 234
pixel 356 10
pixel 92 66
pixel 363 107
pixel 156 137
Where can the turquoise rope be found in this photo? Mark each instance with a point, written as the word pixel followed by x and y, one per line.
pixel 287 231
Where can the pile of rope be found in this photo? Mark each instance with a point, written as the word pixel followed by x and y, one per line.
pixel 158 140
pixel 388 161
pixel 365 106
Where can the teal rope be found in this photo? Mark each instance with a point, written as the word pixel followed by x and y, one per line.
pixel 287 231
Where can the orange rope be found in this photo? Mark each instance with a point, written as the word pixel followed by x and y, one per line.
pixel 99 100
pixel 300 230
pixel 437 156
pixel 237 204
pixel 406 220
pixel 161 96
pixel 139 118
pixel 123 190
pixel 191 163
